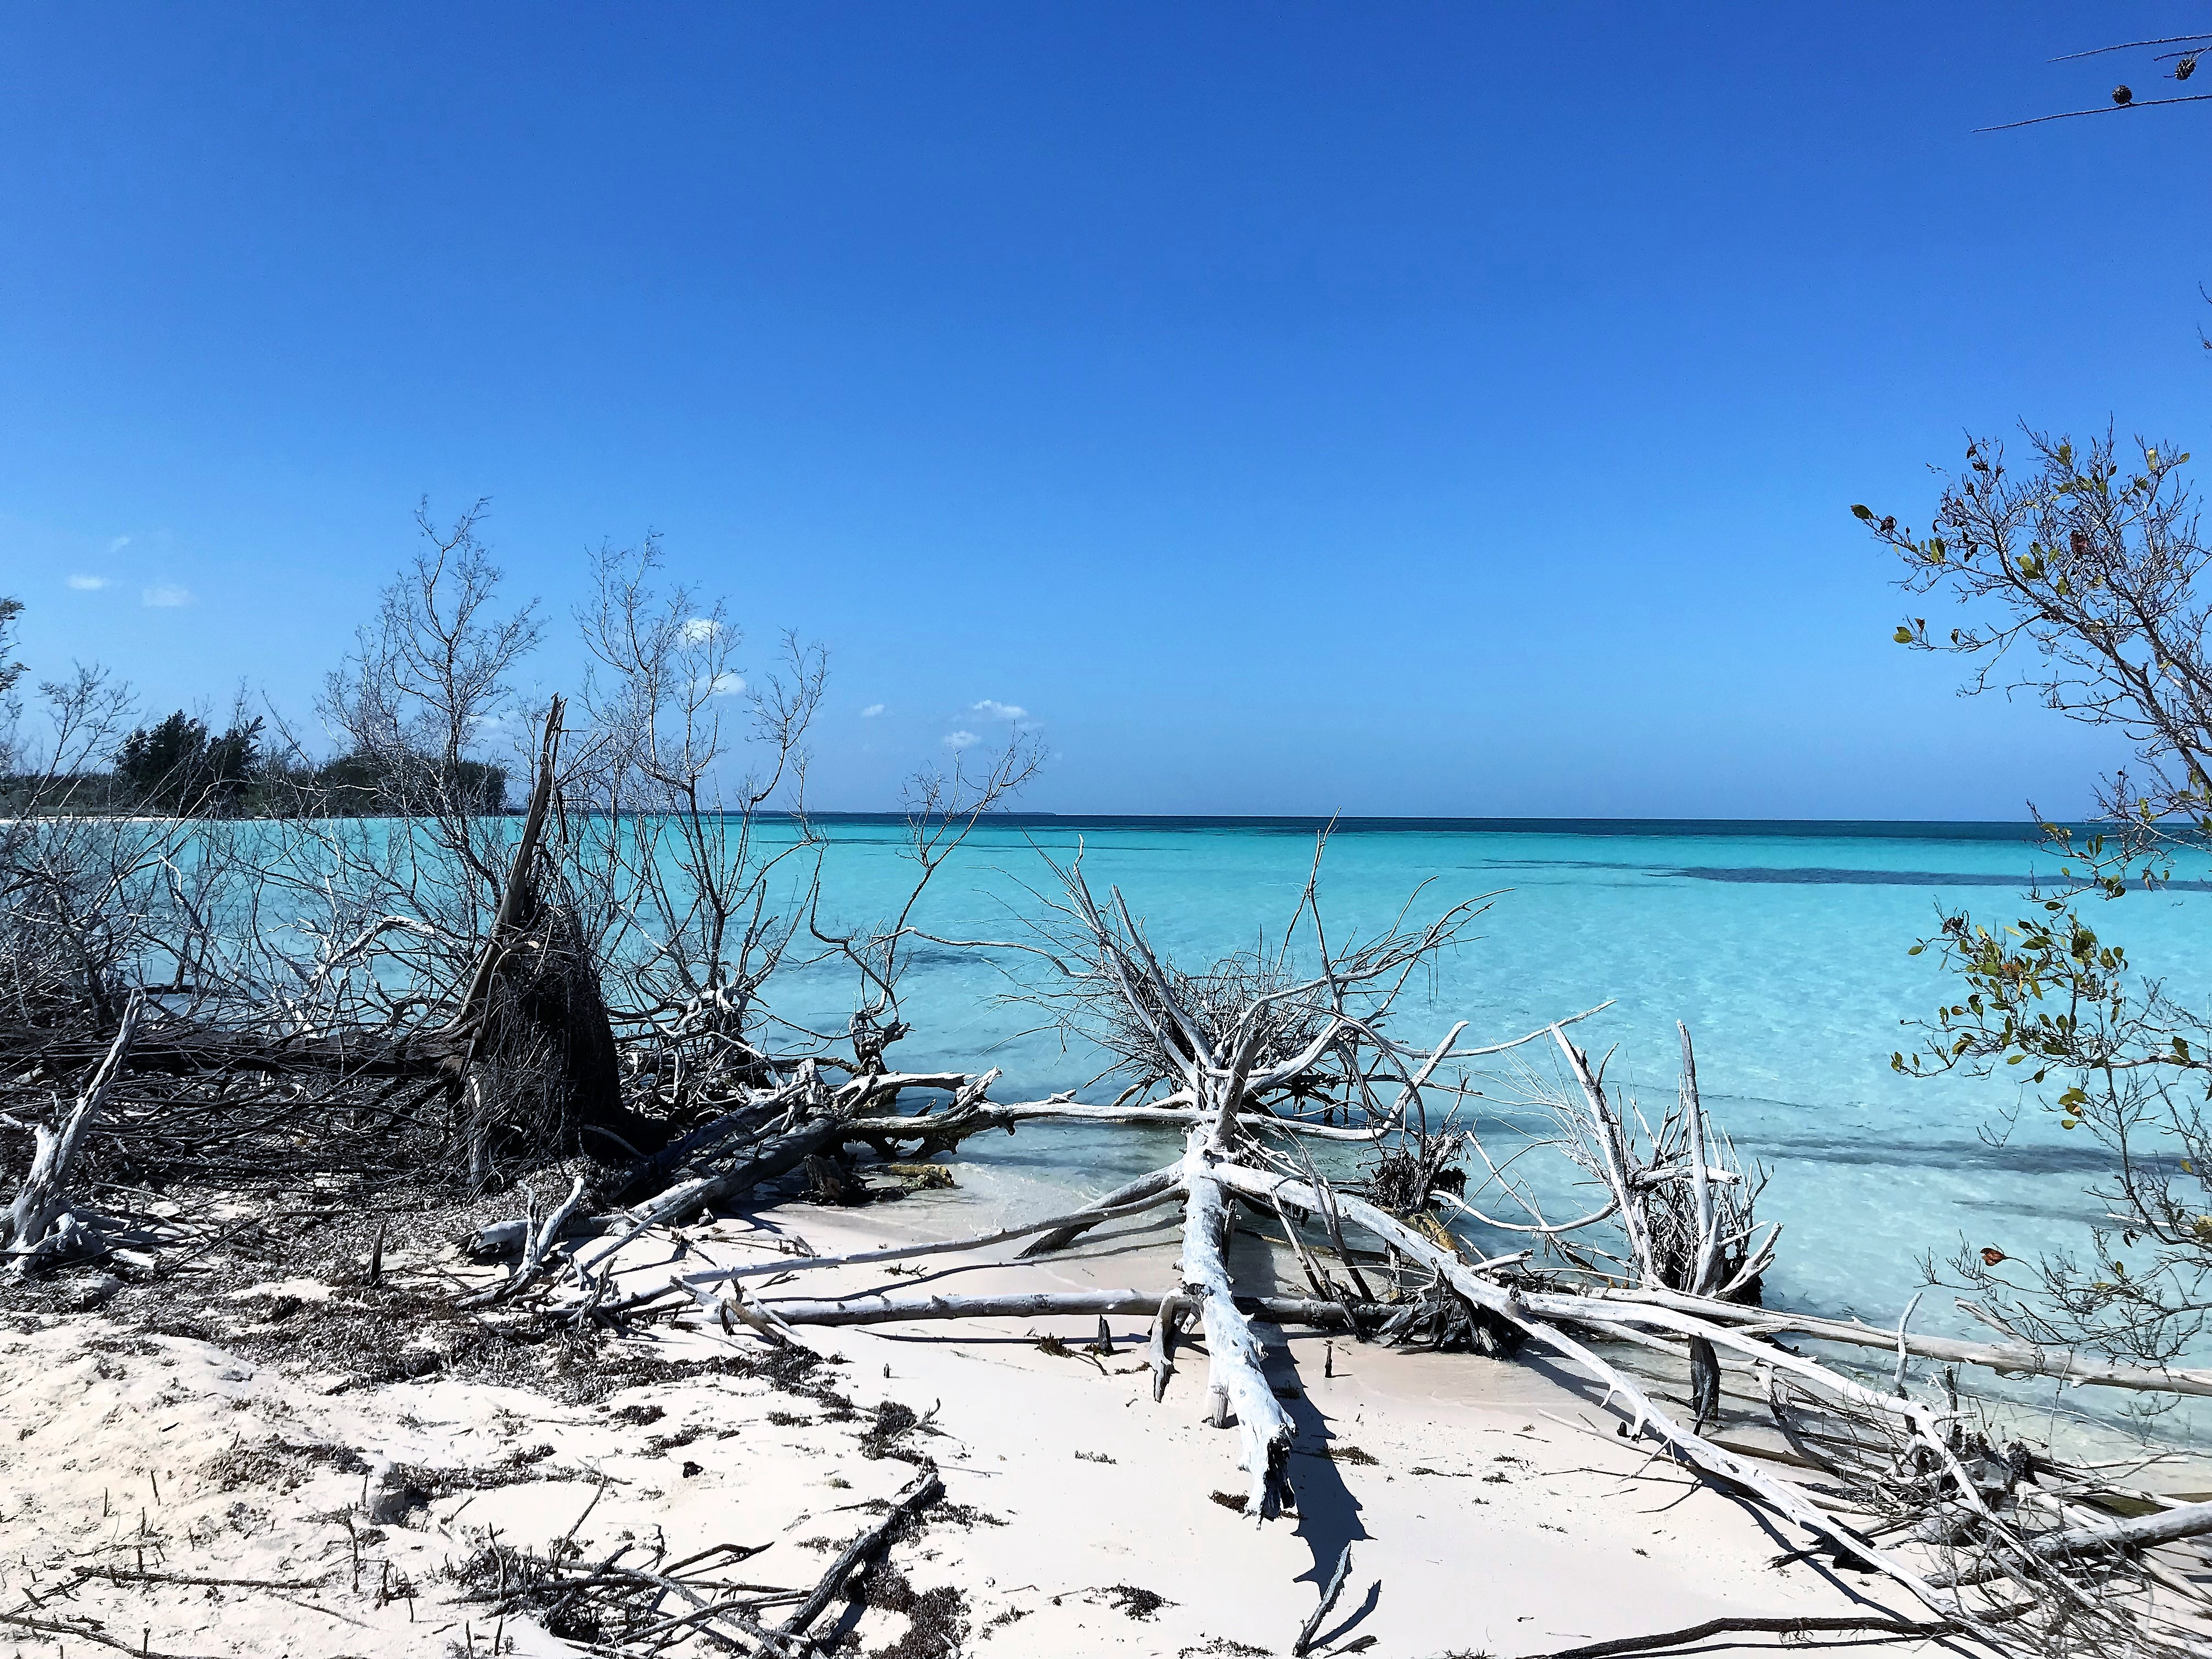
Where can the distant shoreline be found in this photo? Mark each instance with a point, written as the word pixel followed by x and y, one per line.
pixel 2023 831
pixel 1867 829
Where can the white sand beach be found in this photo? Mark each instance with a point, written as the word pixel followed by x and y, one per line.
pixel 174 1497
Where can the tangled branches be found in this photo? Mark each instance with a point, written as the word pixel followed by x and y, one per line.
pixel 2027 1544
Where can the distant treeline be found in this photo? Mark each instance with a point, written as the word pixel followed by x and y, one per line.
pixel 179 767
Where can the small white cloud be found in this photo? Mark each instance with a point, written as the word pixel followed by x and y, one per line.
pixel 871 711
pixel 118 543
pixel 725 685
pixel 961 740
pixel 87 584
pixel 167 596
pixel 700 629
pixel 991 709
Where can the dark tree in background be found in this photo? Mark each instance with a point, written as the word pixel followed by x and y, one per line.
pixel 157 761
pixel 176 765
pixel 10 672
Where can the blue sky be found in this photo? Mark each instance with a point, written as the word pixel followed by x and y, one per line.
pixel 1421 408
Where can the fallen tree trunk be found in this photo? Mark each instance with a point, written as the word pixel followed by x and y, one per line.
pixel 885 1309
pixel 1236 1377
pixel 2010 1359
pixel 182 1051
pixel 1087 1218
pixel 947 1127
pixel 822 1130
pixel 750 1118
pixel 1922 1422
pixel 2166 1527
pixel 1144 1186
pixel 1845 1624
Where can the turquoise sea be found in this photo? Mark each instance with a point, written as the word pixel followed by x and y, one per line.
pixel 1783 945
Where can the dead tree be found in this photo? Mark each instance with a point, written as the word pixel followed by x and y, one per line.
pixel 42 1226
pixel 531 1040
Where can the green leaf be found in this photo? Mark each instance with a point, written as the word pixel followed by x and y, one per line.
pixel 1903 636
pixel 1867 513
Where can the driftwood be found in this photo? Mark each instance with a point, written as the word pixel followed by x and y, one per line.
pixel 87 1632
pixel 1159 1351
pixel 623 1603
pixel 1091 1215
pixel 942 1130
pixel 825 1128
pixel 1329 1594
pixel 923 1491
pixel 1158 1183
pixel 41 1225
pixel 1236 1374
pixel 888 1308
pixel 2008 1360
pixel 2165 1527
pixel 535 1243
pixel 1745 1625
pixel 179 1049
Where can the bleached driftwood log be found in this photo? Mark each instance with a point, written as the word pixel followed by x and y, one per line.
pixel 1237 1375
pixel 42 1226
pixel 1091 1215
pixel 2006 1358
pixel 885 1309
pixel 2165 1527
pixel 1166 1182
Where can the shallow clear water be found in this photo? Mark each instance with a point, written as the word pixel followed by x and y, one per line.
pixel 1783 947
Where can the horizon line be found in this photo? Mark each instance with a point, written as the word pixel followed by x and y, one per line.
pixel 2025 829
